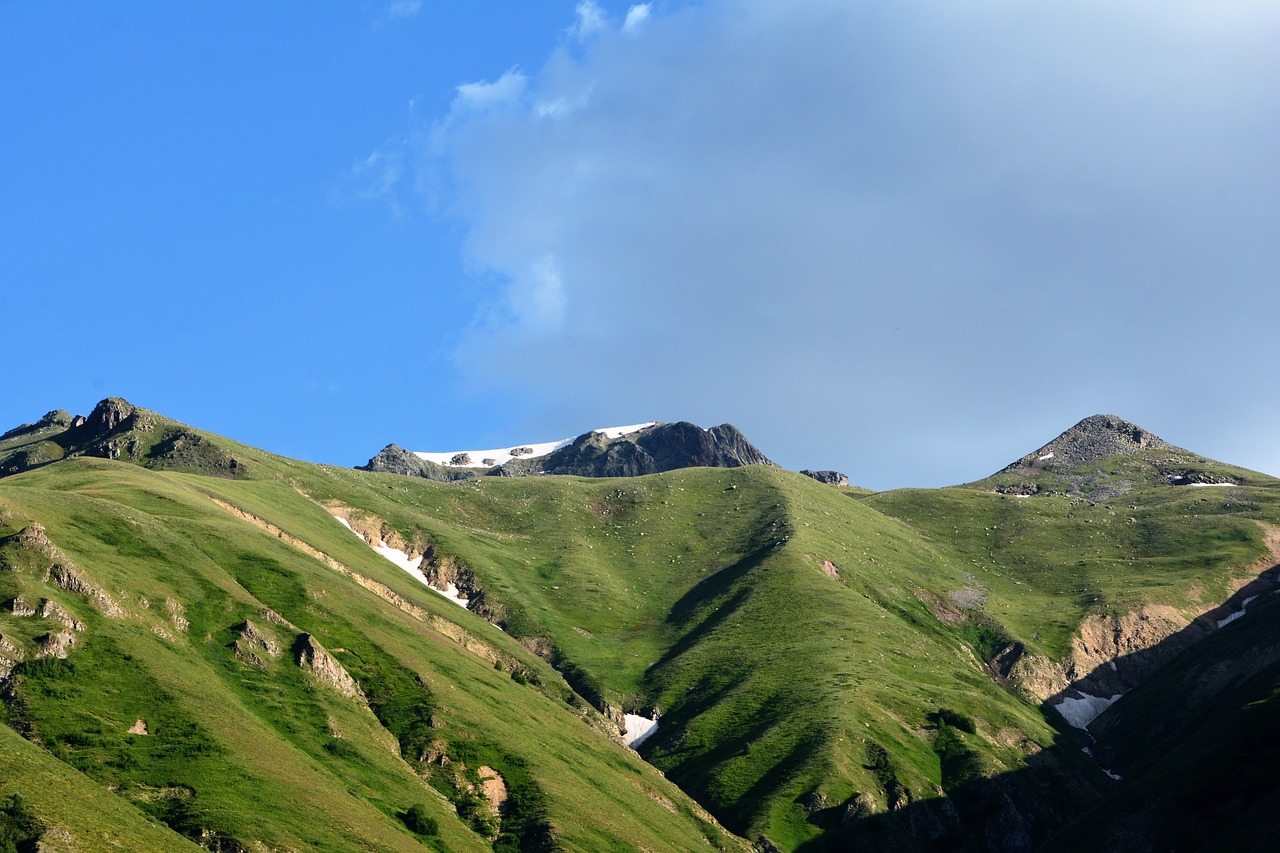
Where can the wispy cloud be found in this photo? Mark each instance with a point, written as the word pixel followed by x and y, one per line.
pixel 403 9
pixel 484 95
pixel 590 19
pixel 636 16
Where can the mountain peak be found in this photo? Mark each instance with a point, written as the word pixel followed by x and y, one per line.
pixel 1096 437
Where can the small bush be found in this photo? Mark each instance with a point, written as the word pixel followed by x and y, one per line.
pixel 339 747
pixel 20 829
pixel 418 821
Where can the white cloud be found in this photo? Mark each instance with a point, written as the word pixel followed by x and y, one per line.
pixel 636 16
pixel 403 9
pixel 379 176
pixel 484 95
pixel 590 19
pixel 858 228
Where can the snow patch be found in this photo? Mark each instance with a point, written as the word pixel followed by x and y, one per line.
pixel 1113 665
pixel 1048 455
pixel 1115 776
pixel 503 455
pixel 1234 616
pixel 410 565
pixel 639 729
pixel 1209 485
pixel 1081 712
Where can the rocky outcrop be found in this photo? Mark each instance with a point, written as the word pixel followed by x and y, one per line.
pixel 69 578
pixel 394 459
pixel 831 478
pixel 252 642
pixel 11 654
pixel 55 644
pixel 56 612
pixel 55 420
pixel 662 447
pixel 316 660
pixel 116 429
pixel 19 606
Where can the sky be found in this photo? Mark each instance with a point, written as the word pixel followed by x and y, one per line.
pixel 910 241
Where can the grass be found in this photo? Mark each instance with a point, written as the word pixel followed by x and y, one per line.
pixel 802 645
pixel 248 753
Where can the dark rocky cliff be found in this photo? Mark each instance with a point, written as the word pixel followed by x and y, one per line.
pixel 662 447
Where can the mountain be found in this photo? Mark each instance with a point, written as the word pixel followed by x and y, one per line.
pixel 614 452
pixel 273 656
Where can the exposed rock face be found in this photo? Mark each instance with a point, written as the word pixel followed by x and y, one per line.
pixel 1094 438
pixel 107 415
pixel 57 644
pixel 19 606
pixel 663 447
pixel 315 659
pixel 493 788
pixel 66 576
pixel 10 655
pixel 1138 642
pixel 394 459
pixel 831 478
pixel 56 612
pixel 254 642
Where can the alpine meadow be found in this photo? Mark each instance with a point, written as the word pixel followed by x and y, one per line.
pixel 204 644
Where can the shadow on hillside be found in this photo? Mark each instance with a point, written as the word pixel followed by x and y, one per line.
pixel 1131 670
pixel 1014 812
pixel 1023 810
pixel 712 600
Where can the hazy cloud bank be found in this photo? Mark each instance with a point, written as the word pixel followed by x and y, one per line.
pixel 907 240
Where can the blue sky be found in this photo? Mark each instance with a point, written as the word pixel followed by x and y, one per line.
pixel 911 241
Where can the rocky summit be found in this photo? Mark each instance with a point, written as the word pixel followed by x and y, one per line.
pixel 651 450
pixel 1093 439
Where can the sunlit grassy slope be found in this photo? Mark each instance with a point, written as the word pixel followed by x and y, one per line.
pixel 265 753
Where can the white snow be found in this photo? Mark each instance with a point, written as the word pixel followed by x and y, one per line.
pixel 639 729
pixel 503 455
pixel 1207 485
pixel 1081 712
pixel 413 567
pixel 1048 455
pixel 1113 665
pixel 1115 776
pixel 1234 616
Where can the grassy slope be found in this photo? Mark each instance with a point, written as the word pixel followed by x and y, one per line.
pixel 252 744
pixel 87 817
pixel 702 593
pixel 1047 561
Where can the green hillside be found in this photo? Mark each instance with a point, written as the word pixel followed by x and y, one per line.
pixel 830 669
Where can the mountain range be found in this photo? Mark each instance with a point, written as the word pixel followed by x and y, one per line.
pixel 644 638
